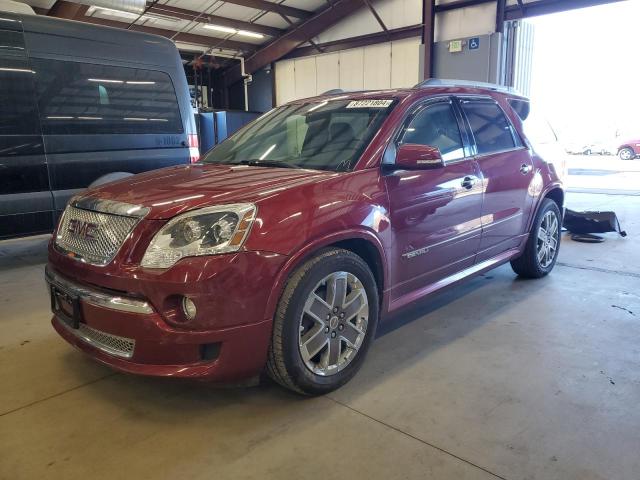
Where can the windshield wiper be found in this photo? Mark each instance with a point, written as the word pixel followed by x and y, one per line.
pixel 269 163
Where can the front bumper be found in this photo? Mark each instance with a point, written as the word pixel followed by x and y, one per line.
pixel 135 333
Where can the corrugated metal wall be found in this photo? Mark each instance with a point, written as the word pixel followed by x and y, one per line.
pixel 523 56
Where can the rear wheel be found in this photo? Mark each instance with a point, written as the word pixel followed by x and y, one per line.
pixel 541 251
pixel 324 324
pixel 626 154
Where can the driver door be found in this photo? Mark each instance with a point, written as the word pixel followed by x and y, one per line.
pixel 435 213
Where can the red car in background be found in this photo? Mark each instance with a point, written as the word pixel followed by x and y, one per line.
pixel 284 246
pixel 629 150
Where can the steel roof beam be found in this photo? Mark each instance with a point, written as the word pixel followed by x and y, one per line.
pixel 294 37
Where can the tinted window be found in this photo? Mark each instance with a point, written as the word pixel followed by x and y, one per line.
pixel 490 127
pixel 327 135
pixel 436 126
pixel 18 113
pixel 81 98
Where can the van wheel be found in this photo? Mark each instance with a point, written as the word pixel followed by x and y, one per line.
pixel 541 251
pixel 324 323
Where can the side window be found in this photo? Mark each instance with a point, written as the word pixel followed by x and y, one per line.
pixel 18 113
pixel 491 129
pixel 436 126
pixel 81 98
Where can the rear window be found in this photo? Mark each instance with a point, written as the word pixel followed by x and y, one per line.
pixel 491 129
pixel 81 98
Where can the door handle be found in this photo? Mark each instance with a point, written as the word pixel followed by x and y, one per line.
pixel 524 168
pixel 469 182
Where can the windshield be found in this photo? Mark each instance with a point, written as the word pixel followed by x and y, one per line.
pixel 327 135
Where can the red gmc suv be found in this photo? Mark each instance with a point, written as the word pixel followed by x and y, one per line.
pixel 284 247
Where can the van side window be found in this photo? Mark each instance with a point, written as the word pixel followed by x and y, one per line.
pixel 436 126
pixel 490 127
pixel 81 98
pixel 18 112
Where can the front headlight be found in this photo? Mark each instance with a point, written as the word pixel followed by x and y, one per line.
pixel 207 231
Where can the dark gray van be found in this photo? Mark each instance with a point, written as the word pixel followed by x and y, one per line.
pixel 80 105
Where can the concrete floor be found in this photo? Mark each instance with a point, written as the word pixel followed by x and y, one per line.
pixel 500 378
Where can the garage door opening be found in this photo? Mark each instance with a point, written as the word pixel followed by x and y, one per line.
pixel 584 76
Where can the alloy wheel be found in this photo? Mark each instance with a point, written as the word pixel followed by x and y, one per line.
pixel 548 237
pixel 333 324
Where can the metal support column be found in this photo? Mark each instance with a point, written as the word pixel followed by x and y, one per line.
pixel 428 36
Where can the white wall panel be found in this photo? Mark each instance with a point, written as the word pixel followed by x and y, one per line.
pixel 377 66
pixel 285 81
pixel 305 77
pixel 328 72
pixel 394 14
pixel 405 62
pixel 466 22
pixel 385 65
pixel 358 23
pixel 352 69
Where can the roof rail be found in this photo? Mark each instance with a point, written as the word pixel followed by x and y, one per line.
pixel 333 91
pixel 445 82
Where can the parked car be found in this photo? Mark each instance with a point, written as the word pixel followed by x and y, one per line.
pixel 285 245
pixel 629 150
pixel 578 149
pixel 602 148
pixel 81 105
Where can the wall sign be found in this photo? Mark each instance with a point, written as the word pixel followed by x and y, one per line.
pixel 455 46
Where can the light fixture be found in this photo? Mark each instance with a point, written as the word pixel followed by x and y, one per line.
pixel 220 28
pixel 107 10
pixel 139 82
pixel 246 33
pixel 234 31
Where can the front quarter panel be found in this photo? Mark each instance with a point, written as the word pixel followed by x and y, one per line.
pixel 298 223
pixel 289 220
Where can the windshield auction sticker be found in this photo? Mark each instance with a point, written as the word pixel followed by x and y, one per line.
pixel 369 103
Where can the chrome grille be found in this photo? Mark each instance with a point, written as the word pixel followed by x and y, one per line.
pixel 108 343
pixel 94 236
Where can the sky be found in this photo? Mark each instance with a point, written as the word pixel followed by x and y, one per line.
pixel 586 71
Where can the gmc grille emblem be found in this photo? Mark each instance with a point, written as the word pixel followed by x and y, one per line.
pixel 85 230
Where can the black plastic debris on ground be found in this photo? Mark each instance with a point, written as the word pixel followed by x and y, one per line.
pixel 583 225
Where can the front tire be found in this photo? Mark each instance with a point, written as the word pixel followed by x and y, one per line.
pixel 541 251
pixel 324 324
pixel 626 154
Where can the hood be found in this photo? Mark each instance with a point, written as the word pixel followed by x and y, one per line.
pixel 171 191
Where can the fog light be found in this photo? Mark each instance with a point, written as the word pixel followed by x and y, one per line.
pixel 189 308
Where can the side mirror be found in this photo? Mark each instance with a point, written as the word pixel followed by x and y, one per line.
pixel 411 156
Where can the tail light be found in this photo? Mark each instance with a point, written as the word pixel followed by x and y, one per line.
pixel 194 151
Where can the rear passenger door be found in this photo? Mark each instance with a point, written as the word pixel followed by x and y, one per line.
pixel 99 119
pixel 25 199
pixel 507 172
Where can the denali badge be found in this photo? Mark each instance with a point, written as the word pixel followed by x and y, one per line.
pixel 85 230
